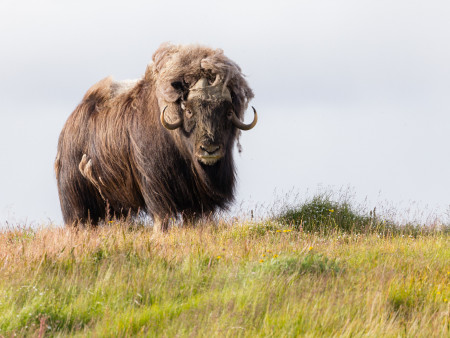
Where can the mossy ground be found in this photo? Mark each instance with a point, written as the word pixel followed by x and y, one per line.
pixel 267 278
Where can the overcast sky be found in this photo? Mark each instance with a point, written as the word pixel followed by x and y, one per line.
pixel 349 93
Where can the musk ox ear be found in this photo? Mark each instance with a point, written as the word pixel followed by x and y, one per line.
pixel 177 85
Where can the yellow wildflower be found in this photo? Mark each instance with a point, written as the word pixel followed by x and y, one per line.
pixel 331 210
pixel 219 257
pixel 261 260
pixel 275 256
pixel 310 248
pixel 278 230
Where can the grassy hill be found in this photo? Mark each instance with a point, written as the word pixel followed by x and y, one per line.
pixel 316 270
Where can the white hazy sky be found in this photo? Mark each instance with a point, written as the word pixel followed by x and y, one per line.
pixel 349 93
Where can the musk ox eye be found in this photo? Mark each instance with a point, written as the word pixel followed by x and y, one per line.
pixel 188 113
pixel 230 114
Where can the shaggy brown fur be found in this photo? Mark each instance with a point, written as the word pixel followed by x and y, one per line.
pixel 115 156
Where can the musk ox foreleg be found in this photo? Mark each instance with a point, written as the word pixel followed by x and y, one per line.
pixel 160 224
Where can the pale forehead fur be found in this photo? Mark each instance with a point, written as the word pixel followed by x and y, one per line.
pixel 188 63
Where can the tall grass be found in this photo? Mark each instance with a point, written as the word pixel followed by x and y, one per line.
pixel 302 273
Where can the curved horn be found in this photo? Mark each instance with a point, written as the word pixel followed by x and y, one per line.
pixel 239 124
pixel 167 125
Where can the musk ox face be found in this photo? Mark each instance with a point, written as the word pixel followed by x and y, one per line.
pixel 206 129
pixel 207 120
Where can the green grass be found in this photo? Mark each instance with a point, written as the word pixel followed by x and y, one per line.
pixel 271 278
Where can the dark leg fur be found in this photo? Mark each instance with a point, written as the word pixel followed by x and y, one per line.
pixel 80 201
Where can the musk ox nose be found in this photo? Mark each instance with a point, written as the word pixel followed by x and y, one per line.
pixel 209 153
pixel 210 148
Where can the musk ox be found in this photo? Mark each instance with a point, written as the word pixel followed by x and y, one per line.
pixel 160 145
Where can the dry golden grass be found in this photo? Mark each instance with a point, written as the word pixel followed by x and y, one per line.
pixel 244 279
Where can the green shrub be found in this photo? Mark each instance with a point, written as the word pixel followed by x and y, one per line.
pixel 322 214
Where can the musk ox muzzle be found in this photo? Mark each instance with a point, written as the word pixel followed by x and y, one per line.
pixel 209 153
